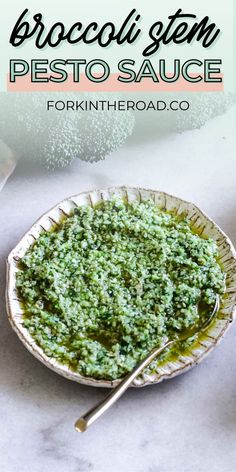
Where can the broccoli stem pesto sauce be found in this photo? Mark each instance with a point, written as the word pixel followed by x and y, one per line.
pixel 112 282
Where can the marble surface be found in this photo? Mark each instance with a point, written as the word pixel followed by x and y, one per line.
pixel 187 424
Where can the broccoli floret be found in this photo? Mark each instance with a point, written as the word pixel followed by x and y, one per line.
pixel 203 107
pixel 56 138
pixel 106 134
pixel 61 145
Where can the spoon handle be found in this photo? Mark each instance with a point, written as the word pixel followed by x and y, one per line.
pixel 92 415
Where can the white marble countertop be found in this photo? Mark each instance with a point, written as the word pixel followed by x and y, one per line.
pixel 187 424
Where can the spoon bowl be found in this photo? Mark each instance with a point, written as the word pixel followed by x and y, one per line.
pixel 94 413
pixel 200 327
pixel 196 218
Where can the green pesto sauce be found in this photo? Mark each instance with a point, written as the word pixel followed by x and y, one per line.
pixel 112 282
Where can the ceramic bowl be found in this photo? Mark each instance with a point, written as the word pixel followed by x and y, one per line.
pixel 205 226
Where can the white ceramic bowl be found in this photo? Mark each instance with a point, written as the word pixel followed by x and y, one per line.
pixel 206 226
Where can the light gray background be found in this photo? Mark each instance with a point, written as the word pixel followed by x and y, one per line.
pixel 187 424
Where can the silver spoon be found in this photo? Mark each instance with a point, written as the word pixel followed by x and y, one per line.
pixel 94 413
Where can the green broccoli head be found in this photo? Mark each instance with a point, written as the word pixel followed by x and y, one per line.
pixel 56 138
pixel 203 107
